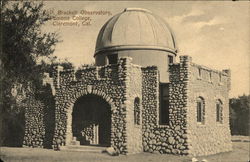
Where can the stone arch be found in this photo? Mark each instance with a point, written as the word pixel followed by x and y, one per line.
pixel 74 98
pixel 201 94
pixel 219 97
pixel 90 90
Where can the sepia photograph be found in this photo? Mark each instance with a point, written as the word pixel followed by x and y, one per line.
pixel 128 81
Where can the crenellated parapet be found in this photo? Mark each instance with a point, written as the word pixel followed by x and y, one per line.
pixel 191 84
pixel 63 77
pixel 199 72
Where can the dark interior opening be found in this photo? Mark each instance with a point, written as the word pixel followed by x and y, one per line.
pixel 170 59
pixel 199 111
pixel 91 119
pixel 164 104
pixel 47 97
pixel 112 59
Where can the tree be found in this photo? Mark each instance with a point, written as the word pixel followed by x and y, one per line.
pixel 239 115
pixel 22 40
pixel 22 44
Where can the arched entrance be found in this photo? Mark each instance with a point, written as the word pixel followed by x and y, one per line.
pixel 91 121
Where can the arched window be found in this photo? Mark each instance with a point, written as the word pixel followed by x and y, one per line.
pixel 200 110
pixel 219 111
pixel 137 111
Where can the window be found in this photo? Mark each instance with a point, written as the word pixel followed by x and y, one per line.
pixel 199 73
pixel 219 111
pixel 200 110
pixel 210 76
pixel 164 104
pixel 137 111
pixel 220 78
pixel 112 59
pixel 170 59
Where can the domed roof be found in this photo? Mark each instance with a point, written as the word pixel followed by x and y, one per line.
pixel 135 28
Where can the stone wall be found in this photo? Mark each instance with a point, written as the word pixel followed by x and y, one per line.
pixel 108 82
pixel 39 118
pixel 88 133
pixel 184 135
pixel 34 123
pixel 133 91
pixel 120 85
pixel 210 136
pixel 164 138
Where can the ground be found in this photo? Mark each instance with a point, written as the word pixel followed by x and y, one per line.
pixel 240 153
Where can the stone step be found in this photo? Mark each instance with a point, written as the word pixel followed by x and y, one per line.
pixel 83 148
pixel 74 142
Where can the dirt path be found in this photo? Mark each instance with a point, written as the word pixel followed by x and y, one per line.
pixel 240 154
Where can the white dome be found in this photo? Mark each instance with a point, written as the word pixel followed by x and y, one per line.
pixel 135 28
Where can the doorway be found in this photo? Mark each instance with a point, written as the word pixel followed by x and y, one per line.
pixel 91 121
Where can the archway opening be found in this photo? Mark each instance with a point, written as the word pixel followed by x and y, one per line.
pixel 91 121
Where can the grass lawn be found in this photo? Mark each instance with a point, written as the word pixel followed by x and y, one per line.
pixel 239 154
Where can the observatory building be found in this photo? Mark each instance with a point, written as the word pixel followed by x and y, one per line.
pixel 137 97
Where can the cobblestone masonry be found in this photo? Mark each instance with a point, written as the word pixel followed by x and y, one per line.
pixel 88 132
pixel 120 84
pixel 170 138
pixel 34 123
pixel 107 82
pixel 39 119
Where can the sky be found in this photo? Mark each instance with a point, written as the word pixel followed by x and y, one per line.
pixel 215 34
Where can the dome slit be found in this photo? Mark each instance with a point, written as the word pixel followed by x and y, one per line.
pixel 99 41
pixel 140 26
pixel 153 30
pixel 112 30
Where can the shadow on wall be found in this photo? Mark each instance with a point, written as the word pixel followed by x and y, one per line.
pixel 46 97
pixel 12 118
pixel 12 128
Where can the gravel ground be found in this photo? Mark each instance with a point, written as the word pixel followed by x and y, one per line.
pixel 239 154
pixel 240 138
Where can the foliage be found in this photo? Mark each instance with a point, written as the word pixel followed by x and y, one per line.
pixel 22 44
pixel 239 115
pixel 23 41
